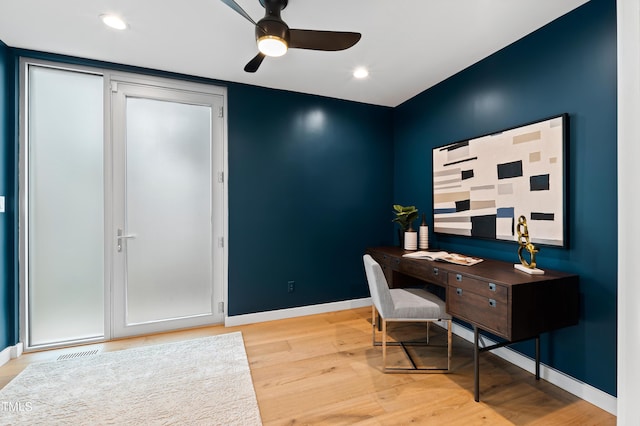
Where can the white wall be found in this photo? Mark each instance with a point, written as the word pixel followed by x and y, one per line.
pixel 628 210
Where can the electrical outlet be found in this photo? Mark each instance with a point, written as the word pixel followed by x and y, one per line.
pixel 291 286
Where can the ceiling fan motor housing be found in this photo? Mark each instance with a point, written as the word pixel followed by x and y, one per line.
pixel 268 26
pixel 272 24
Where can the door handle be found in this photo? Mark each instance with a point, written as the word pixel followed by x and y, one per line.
pixel 121 236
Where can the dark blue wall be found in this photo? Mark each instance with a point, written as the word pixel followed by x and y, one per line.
pixel 568 66
pixel 8 318
pixel 310 188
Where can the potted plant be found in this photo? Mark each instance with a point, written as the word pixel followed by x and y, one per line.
pixel 405 215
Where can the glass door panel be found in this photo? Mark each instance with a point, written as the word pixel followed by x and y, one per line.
pixel 65 206
pixel 168 208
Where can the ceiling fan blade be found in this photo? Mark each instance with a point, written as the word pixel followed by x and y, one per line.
pixel 322 40
pixel 254 64
pixel 235 6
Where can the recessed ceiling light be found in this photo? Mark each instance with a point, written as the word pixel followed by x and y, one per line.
pixel 361 73
pixel 114 21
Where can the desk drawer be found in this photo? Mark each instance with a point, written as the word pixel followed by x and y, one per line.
pixel 480 287
pixel 485 312
pixel 424 270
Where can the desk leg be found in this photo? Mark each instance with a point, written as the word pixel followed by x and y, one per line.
pixel 476 365
pixel 537 357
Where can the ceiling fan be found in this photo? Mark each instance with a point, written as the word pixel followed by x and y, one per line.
pixel 274 37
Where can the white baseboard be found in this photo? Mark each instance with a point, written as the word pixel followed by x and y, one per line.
pixel 574 386
pixel 296 312
pixel 10 353
pixel 5 356
pixel 563 381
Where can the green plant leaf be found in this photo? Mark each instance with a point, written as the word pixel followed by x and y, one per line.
pixel 405 215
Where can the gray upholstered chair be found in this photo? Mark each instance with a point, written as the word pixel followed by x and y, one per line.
pixel 403 305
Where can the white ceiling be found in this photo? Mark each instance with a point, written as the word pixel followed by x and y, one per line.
pixel 408 45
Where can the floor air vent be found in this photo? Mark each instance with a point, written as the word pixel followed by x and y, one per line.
pixel 77 354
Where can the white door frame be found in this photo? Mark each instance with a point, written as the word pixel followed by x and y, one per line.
pixel 162 89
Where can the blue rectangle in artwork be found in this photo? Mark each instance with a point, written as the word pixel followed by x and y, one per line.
pixel 444 211
pixel 510 170
pixel 462 206
pixel 467 174
pixel 539 183
pixel 542 216
pixel 506 212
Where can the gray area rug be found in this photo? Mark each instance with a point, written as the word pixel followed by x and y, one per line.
pixel 203 381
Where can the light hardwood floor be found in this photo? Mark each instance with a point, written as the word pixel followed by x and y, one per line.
pixel 323 370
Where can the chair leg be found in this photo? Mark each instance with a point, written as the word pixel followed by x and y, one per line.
pixel 449 341
pixel 384 344
pixel 382 324
pixel 428 328
pixel 373 325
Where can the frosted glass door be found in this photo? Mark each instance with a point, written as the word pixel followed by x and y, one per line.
pixel 64 207
pixel 168 203
pixel 164 231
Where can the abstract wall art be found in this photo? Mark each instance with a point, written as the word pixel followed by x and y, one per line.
pixel 482 185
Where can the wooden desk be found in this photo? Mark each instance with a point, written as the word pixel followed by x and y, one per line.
pixel 491 296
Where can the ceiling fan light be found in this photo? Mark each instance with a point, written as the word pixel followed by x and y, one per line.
pixel 272 45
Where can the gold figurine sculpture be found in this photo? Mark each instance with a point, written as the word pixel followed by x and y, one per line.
pixel 525 243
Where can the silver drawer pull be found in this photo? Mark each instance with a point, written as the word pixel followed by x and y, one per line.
pixel 459 291
pixel 492 287
pixel 492 303
pixel 458 277
pixel 435 271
